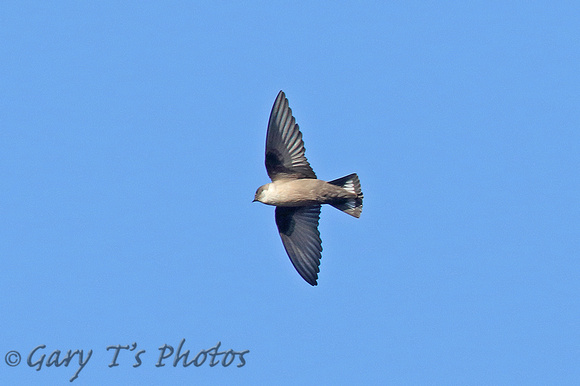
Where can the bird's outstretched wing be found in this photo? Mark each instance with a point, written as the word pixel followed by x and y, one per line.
pixel 284 146
pixel 298 227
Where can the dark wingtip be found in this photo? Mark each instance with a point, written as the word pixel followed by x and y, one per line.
pixel 313 283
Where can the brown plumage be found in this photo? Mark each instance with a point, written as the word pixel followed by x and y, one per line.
pixel 298 194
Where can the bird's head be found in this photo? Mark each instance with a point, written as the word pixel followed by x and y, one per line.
pixel 261 193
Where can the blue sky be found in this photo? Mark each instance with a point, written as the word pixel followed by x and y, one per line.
pixel 132 142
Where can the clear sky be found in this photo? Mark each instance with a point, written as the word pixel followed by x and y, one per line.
pixel 132 142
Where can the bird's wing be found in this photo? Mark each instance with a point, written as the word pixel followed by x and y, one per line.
pixel 298 227
pixel 284 146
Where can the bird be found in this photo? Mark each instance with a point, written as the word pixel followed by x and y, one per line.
pixel 298 194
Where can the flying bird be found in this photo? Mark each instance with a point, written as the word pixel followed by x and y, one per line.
pixel 297 194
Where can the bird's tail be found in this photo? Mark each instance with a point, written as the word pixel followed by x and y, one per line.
pixel 352 206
